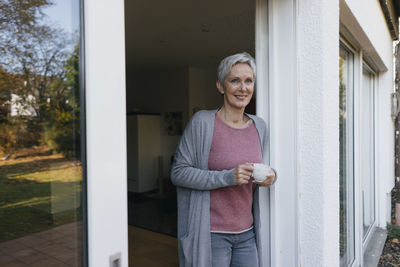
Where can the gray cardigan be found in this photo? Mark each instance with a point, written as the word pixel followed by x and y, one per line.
pixel 194 181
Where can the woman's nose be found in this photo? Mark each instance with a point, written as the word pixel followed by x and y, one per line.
pixel 242 86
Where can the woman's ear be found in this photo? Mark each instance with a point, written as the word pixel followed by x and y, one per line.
pixel 220 88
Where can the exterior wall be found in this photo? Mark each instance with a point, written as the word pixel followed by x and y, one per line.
pixel 303 114
pixel 376 41
pixel 385 147
pixel 315 178
pixel 375 29
pixel 318 132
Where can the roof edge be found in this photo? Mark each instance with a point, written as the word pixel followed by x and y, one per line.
pixel 391 10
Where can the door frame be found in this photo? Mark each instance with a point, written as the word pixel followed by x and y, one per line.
pixel 106 137
pixel 106 132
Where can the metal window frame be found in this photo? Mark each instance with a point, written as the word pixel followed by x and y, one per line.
pixel 82 93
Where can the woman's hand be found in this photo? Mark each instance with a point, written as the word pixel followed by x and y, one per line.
pixel 242 173
pixel 270 179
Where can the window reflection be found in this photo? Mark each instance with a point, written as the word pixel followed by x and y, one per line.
pixel 367 159
pixel 40 133
pixel 342 150
pixel 347 238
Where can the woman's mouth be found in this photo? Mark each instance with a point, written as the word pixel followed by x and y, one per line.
pixel 241 97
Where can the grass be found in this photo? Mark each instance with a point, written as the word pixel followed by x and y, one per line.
pixel 38 190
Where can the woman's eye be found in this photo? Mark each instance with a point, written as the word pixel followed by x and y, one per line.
pixel 249 81
pixel 235 81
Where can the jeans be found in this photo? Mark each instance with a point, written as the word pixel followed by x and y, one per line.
pixel 234 250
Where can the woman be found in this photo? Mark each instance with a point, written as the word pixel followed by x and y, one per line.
pixel 218 212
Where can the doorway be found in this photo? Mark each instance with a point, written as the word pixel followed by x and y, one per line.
pixel 172 52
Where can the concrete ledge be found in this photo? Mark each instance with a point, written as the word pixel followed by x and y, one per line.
pixel 375 246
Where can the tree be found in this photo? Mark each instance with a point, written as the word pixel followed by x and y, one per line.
pixel 34 52
pixel 41 62
pixel 64 127
pixel 17 20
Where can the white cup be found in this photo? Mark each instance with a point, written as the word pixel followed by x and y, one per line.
pixel 261 171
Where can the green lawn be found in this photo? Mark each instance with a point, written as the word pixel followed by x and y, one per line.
pixel 38 191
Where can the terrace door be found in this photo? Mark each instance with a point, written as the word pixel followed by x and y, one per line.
pixel 171 66
pixel 42 134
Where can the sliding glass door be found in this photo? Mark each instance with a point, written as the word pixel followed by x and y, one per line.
pixel 41 134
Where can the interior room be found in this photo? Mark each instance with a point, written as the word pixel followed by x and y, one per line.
pixel 172 52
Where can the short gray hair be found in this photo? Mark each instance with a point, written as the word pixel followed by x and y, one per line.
pixel 227 63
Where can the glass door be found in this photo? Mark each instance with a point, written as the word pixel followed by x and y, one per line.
pixel 42 160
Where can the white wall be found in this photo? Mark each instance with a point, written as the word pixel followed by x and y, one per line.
pixel 318 132
pixel 384 148
pixel 375 29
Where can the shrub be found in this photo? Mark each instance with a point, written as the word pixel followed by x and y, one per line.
pixel 19 132
pixel 393 231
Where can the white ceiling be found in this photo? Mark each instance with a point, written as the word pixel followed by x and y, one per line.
pixel 164 33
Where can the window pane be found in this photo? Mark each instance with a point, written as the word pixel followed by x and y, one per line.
pixel 367 151
pixel 346 157
pixel 342 157
pixel 40 133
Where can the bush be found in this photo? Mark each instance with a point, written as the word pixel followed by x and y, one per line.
pixel 19 132
pixel 62 134
pixel 393 231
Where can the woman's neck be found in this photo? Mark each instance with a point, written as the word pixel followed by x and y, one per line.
pixel 233 117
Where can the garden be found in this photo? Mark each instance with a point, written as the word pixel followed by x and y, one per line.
pixel 38 190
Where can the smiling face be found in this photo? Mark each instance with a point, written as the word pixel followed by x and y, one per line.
pixel 238 86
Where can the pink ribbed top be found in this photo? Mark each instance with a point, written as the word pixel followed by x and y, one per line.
pixel 231 207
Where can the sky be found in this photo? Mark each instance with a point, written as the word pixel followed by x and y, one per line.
pixel 64 14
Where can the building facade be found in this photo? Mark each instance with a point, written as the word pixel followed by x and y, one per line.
pixel 114 84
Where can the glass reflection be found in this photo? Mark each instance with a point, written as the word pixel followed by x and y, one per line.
pixel 367 151
pixel 347 238
pixel 40 136
pixel 342 157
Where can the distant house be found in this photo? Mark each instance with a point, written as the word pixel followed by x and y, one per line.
pixel 22 106
pixel 16 102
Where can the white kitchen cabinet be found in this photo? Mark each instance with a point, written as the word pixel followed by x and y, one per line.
pixel 144 147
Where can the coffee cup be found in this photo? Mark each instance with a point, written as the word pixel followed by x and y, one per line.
pixel 261 171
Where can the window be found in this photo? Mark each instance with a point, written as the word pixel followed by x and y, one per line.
pixel 346 172
pixel 367 150
pixel 41 133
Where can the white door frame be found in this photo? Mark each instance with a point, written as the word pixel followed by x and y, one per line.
pixel 262 108
pixel 106 128
pixel 106 132
pixel 276 43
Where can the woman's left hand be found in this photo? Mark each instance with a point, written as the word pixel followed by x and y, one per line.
pixel 269 180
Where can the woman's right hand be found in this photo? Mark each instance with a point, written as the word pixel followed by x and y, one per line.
pixel 242 173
